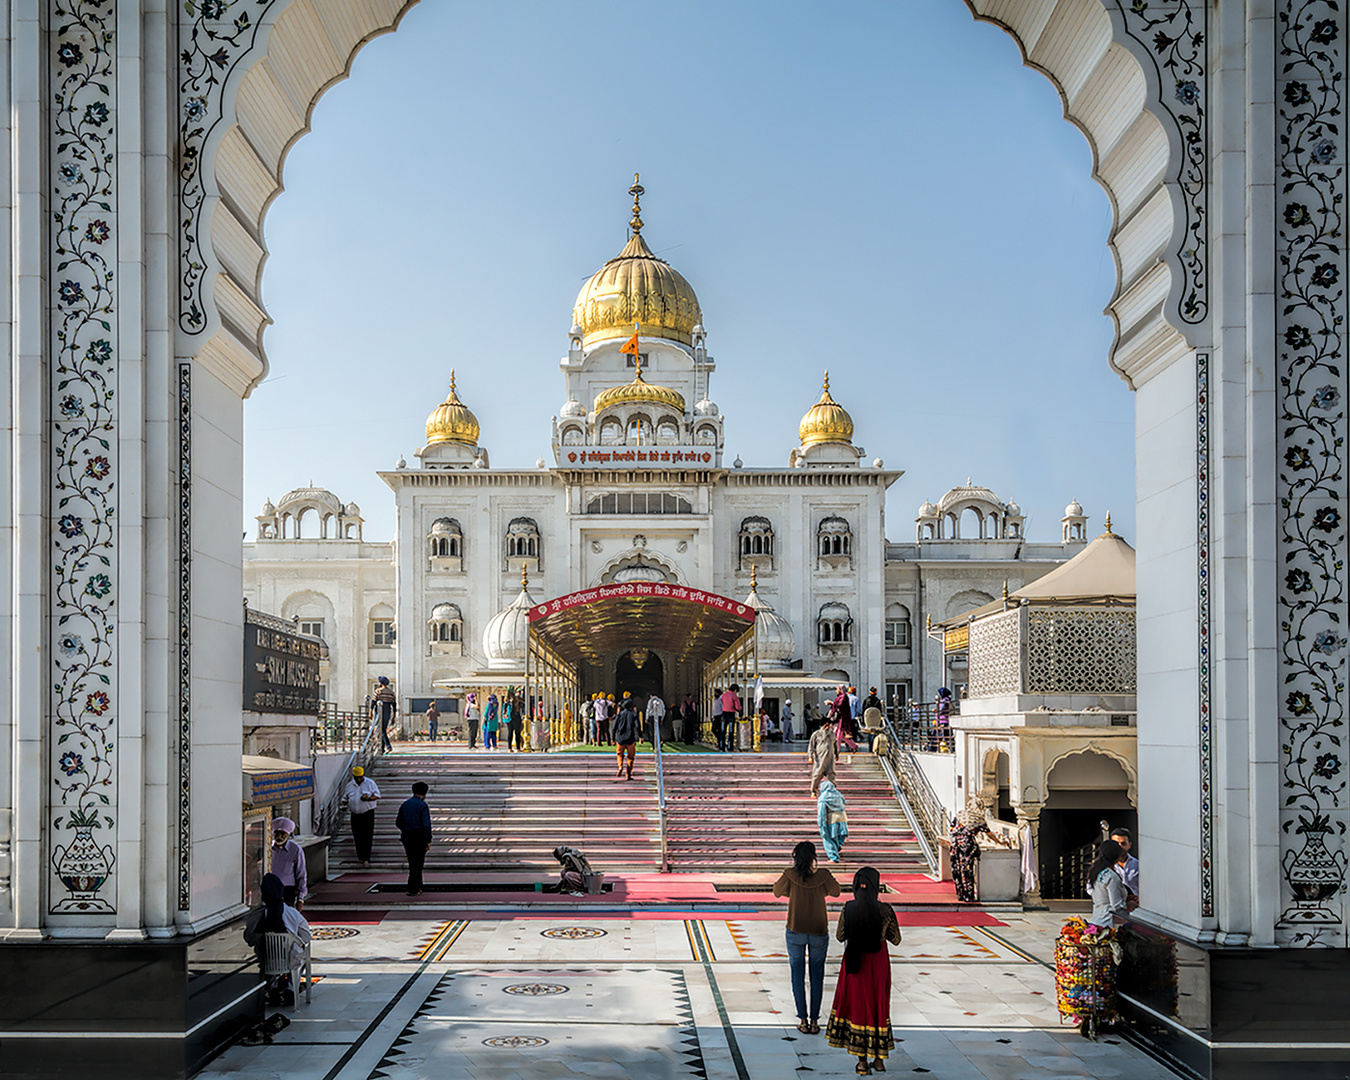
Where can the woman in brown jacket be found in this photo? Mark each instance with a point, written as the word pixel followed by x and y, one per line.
pixel 808 926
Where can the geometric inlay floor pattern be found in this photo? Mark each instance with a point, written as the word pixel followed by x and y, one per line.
pixel 495 998
pixel 612 1023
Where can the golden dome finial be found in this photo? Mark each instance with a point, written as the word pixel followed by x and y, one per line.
pixel 753 570
pixel 524 577
pixel 826 421
pixel 635 284
pixel 827 380
pixel 637 192
pixel 451 420
pixel 1108 525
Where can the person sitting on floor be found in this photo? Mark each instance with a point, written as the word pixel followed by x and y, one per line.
pixel 575 870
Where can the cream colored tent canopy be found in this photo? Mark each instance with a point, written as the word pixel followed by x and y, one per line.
pixel 1102 573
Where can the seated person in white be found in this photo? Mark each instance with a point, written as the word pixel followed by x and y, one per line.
pixel 277 917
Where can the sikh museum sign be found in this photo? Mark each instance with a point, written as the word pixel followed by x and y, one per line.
pixel 639 500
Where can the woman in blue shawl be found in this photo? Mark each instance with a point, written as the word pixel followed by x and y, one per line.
pixel 832 819
pixel 491 721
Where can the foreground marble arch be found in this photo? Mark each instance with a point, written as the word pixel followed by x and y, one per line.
pixel 146 142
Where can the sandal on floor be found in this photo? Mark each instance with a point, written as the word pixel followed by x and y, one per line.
pixel 878 1065
pixel 863 1069
pixel 804 1027
pixel 815 1027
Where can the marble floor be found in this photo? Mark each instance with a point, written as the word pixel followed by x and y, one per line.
pixel 522 997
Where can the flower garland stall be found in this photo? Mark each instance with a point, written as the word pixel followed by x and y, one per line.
pixel 1085 976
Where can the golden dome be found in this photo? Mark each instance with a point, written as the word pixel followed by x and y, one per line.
pixel 636 286
pixel 826 421
pixel 639 390
pixel 451 421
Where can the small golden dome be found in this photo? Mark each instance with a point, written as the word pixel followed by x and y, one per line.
pixel 636 286
pixel 826 421
pixel 639 390
pixel 451 421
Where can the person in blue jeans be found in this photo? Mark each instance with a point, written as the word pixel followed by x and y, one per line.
pixel 808 929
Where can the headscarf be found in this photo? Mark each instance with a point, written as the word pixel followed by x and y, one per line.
pixel 830 796
pixel 972 815
pixel 274 904
pixel 283 824
pixel 864 918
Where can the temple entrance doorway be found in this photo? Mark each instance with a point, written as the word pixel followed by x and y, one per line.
pixel 639 672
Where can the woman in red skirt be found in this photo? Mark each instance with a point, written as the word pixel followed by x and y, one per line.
pixel 860 1020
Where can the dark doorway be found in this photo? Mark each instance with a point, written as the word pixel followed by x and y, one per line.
pixel 641 680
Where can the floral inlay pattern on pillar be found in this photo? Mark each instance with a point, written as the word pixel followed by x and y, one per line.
pixel 211 39
pixel 83 444
pixel 1310 247
pixel 1174 35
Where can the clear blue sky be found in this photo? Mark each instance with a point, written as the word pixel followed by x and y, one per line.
pixel 877 188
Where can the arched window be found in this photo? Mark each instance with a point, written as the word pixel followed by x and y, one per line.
pixel 382 632
pixel 445 630
pixel 611 433
pixel 834 625
pixel 640 431
pixel 756 543
pixel 835 543
pixel 668 431
pixel 445 544
pixel 897 626
pixel 524 547
pixel 572 436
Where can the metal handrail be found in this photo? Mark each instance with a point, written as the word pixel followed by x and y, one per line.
pixel 916 727
pixel 920 798
pixel 660 794
pixel 929 855
pixel 329 818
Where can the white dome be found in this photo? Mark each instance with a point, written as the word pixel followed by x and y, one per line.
pixel 1073 509
pixel 698 329
pixel 1013 510
pixel 576 330
pixel 927 510
pixel 507 637
pixel 268 509
pixel 352 510
pixel 705 408
pixel 315 495
pixel 572 407
pixel 774 639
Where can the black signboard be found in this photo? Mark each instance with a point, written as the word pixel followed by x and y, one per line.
pixel 281 667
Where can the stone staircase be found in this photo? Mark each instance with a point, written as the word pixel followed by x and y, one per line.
pixel 508 812
pixel 725 812
pixel 746 812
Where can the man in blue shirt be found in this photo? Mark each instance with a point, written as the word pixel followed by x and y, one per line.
pixel 414 826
